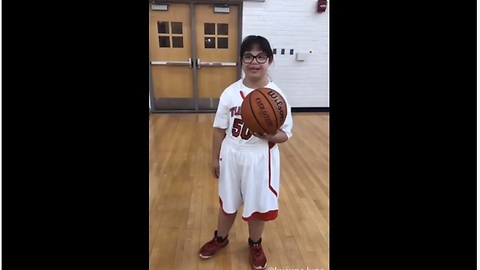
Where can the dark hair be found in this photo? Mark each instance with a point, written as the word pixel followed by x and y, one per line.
pixel 249 42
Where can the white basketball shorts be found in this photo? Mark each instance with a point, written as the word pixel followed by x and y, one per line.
pixel 249 176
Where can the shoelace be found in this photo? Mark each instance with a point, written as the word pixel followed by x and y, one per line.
pixel 212 243
pixel 257 251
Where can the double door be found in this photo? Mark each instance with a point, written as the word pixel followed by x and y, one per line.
pixel 193 54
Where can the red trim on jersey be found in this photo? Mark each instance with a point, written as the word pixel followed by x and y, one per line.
pixel 242 94
pixel 270 215
pixel 221 207
pixel 271 145
pixel 270 170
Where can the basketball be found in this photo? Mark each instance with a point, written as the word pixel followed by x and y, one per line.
pixel 264 110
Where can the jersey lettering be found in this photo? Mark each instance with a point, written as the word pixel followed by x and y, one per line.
pixel 235 111
pixel 239 129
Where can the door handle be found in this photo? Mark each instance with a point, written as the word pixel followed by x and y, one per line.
pixel 215 64
pixel 173 63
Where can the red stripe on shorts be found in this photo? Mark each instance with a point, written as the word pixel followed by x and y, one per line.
pixel 270 215
pixel 221 206
pixel 270 146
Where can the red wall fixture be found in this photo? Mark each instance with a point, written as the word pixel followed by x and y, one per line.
pixel 321 6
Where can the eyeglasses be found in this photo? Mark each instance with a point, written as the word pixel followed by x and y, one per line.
pixel 248 58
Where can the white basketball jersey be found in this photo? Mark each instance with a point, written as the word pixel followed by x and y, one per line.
pixel 228 115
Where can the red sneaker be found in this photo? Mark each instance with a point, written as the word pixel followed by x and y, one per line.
pixel 209 249
pixel 257 257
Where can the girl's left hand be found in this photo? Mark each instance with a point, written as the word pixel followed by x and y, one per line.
pixel 264 135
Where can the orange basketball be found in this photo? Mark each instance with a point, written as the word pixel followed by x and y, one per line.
pixel 264 110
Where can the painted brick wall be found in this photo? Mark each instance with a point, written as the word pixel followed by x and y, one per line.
pixel 294 25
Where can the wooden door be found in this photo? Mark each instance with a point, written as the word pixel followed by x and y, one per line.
pixel 216 40
pixel 171 57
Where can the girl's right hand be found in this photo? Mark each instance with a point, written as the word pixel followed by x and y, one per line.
pixel 216 168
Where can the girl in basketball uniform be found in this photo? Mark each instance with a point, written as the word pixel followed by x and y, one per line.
pixel 247 165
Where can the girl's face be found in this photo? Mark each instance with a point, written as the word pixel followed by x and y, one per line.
pixel 255 64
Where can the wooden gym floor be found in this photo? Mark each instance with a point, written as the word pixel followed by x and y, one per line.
pixel 183 200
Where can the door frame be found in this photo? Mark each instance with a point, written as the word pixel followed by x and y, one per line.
pixel 192 3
